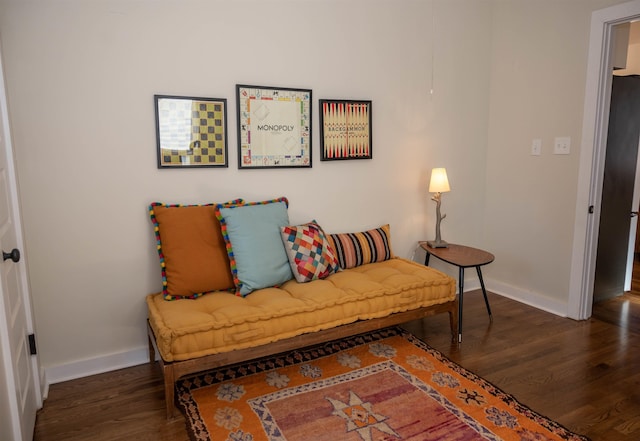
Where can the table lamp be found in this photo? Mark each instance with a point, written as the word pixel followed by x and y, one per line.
pixel 438 185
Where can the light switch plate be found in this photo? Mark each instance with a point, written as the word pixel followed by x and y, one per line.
pixel 536 147
pixel 562 145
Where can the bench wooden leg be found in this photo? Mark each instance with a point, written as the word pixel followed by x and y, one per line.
pixel 168 375
pixel 152 351
pixel 169 390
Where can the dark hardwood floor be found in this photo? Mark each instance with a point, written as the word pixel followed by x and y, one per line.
pixel 585 375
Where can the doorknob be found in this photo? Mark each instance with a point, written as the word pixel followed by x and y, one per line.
pixel 13 255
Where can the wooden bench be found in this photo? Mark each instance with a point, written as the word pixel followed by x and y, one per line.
pixel 172 371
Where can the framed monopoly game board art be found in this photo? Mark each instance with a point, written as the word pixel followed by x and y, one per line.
pixel 345 129
pixel 274 127
pixel 191 132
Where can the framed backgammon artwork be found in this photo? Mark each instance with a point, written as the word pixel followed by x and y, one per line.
pixel 274 127
pixel 191 132
pixel 345 129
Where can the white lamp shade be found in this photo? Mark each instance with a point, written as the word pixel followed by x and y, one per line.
pixel 439 182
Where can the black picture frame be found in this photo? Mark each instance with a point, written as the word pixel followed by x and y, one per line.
pixel 345 129
pixel 274 127
pixel 191 132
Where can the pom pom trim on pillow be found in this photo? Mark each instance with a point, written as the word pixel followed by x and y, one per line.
pixel 310 254
pixel 181 280
pixel 257 256
pixel 355 249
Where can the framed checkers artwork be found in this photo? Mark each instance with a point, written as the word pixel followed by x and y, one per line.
pixel 274 127
pixel 191 132
pixel 345 129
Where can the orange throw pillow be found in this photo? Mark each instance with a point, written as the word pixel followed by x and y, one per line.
pixel 193 255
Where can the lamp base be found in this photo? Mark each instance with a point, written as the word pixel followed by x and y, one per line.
pixel 437 244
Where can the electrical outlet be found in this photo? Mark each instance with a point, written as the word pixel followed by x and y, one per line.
pixel 536 147
pixel 562 145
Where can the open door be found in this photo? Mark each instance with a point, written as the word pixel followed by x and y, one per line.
pixel 20 395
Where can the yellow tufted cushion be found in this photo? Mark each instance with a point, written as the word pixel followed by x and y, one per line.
pixel 221 322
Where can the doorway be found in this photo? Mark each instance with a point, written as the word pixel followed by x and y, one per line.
pixel 618 188
pixel 627 63
pixel 592 155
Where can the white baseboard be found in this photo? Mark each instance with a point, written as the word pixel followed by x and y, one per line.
pixel 93 366
pixel 471 282
pixel 112 362
pixel 527 297
pixel 44 384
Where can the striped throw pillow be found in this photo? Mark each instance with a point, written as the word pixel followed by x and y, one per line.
pixel 355 249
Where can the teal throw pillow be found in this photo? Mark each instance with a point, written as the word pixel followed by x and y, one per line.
pixel 256 253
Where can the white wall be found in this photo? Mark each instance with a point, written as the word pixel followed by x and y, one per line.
pixel 80 81
pixel 81 78
pixel 539 55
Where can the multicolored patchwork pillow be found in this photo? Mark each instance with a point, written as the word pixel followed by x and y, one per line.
pixel 192 251
pixel 310 255
pixel 355 249
pixel 252 234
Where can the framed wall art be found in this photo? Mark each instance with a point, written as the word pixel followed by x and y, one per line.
pixel 274 127
pixel 191 132
pixel 345 129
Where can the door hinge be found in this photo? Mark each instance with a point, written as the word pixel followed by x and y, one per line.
pixel 591 209
pixel 32 344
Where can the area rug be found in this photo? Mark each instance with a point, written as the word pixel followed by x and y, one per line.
pixel 380 386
